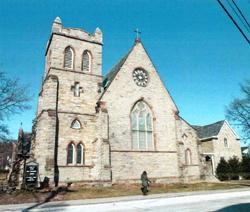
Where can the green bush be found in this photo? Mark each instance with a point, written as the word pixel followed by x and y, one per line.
pixel 223 170
pixel 245 168
pixel 234 172
pixel 25 190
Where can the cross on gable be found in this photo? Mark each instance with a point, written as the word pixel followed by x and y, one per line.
pixel 137 31
pixel 77 89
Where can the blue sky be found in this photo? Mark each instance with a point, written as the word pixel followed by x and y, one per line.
pixel 197 50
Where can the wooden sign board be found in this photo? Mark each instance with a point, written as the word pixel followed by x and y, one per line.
pixel 31 173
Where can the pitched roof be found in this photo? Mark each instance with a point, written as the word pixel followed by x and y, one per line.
pixel 210 130
pixel 26 142
pixel 112 72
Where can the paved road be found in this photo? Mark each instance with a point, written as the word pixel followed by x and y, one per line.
pixel 221 201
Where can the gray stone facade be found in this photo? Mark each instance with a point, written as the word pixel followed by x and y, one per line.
pixel 104 114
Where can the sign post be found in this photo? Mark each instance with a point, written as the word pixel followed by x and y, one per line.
pixel 31 173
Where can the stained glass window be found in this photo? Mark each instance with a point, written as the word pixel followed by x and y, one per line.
pixel 79 154
pixel 70 154
pixel 76 124
pixel 142 128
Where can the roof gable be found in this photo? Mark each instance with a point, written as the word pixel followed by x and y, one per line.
pixel 210 130
pixel 111 75
pixel 112 72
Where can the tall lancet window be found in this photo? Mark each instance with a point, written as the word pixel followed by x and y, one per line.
pixel 71 149
pixel 188 159
pixel 142 127
pixel 79 154
pixel 68 58
pixel 86 61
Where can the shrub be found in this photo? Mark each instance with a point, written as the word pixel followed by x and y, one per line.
pixel 223 169
pixel 245 168
pixel 235 168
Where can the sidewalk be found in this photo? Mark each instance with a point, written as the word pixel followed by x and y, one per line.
pixel 51 206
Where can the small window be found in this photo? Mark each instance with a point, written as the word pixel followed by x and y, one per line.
pixel 86 60
pixel 68 58
pixel 70 154
pixel 76 124
pixel 226 143
pixel 188 157
pixel 184 137
pixel 79 154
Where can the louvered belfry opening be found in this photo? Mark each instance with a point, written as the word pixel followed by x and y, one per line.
pixel 68 60
pixel 86 61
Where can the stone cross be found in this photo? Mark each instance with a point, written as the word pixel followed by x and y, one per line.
pixel 137 33
pixel 77 89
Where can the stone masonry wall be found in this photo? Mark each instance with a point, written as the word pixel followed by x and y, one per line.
pixel 188 140
pixel 234 148
pixel 127 163
pixel 65 107
pixel 45 130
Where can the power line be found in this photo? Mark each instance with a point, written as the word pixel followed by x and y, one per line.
pixel 238 16
pixel 233 21
pixel 241 12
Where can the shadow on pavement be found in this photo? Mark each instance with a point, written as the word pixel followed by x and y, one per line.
pixel 244 207
pixel 52 194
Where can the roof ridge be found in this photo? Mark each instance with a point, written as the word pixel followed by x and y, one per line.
pixel 210 124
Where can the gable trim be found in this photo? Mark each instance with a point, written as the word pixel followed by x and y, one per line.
pixel 161 79
pixel 231 129
pixel 116 73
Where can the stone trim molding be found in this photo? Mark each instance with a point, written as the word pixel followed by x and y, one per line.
pixel 144 151
pixel 72 70
pixel 190 165
pixel 74 165
pixel 51 113
pixel 84 114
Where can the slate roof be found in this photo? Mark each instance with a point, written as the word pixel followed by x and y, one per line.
pixel 210 130
pixel 112 72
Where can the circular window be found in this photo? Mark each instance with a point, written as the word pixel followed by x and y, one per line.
pixel 140 77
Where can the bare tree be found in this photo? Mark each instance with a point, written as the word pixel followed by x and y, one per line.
pixel 6 148
pixel 239 110
pixel 14 99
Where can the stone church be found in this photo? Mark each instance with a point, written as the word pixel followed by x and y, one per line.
pixel 101 130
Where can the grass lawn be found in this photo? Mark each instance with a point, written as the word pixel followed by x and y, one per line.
pixel 75 193
pixel 131 190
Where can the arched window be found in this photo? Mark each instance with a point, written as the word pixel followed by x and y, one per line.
pixel 80 156
pixel 226 143
pixel 86 61
pixel 76 124
pixel 68 58
pixel 71 150
pixel 142 127
pixel 188 159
